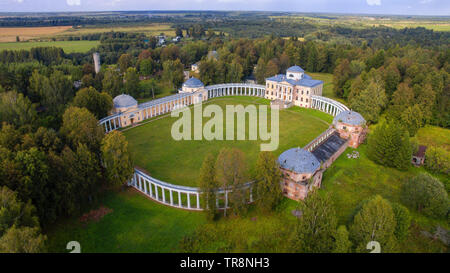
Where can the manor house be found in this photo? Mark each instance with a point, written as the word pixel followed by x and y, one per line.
pixel 293 88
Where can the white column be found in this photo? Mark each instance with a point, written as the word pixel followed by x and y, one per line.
pixel 188 200
pixel 163 192
pixel 198 201
pixel 171 198
pixel 150 186
pixel 179 199
pixel 156 190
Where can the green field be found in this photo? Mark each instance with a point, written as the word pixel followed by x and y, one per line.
pixel 136 224
pixel 67 46
pixel 154 149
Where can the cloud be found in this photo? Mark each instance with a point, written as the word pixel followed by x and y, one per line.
pixel 373 2
pixel 426 1
pixel 73 2
pixel 18 1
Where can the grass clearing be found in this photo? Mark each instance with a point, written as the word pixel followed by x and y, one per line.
pixel 136 224
pixel 434 136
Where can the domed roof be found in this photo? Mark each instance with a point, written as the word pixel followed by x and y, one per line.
pixel 299 160
pixel 193 83
pixel 124 100
pixel 295 68
pixel 349 117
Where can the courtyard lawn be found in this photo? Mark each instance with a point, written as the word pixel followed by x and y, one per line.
pixel 136 224
pixel 179 162
pixel 67 46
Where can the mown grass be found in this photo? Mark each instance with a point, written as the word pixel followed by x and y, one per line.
pixel 179 162
pixel 136 224
pixel 67 46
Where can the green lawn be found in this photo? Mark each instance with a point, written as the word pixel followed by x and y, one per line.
pixel 178 162
pixel 434 136
pixel 136 224
pixel 67 46
pixel 327 90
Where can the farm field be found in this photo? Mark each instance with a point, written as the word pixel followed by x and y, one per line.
pixel 148 29
pixel 67 46
pixel 153 148
pixel 9 34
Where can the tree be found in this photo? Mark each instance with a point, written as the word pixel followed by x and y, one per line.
pixel 173 73
pixel 231 176
pixel 124 62
pixel 22 240
pixel 33 182
pixel 37 84
pixel 411 118
pixel 437 160
pixel 209 186
pixel 341 75
pixel 235 72
pixel 57 92
pixel 10 138
pixel 427 195
pixel 317 225
pixel 81 126
pixel 342 242
pixel 116 158
pixel 179 32
pixel 132 82
pixel 16 109
pixel 389 145
pixel 267 186
pixel 375 221
pixel 370 102
pixel 13 212
pixel 112 82
pixel 403 220
pixel 97 103
pixel 146 67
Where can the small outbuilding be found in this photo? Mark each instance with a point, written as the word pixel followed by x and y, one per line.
pixel 418 158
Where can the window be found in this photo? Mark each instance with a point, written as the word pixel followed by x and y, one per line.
pixel 307 92
pixel 306 100
pixel 296 98
pixel 302 92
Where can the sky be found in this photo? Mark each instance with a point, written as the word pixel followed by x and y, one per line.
pixel 402 7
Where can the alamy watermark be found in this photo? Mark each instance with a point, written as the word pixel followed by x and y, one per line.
pixel 220 128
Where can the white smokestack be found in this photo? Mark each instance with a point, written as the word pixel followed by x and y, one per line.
pixel 96 62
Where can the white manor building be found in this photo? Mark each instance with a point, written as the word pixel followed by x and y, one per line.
pixel 294 88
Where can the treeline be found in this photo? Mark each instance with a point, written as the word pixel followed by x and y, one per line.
pixel 409 84
pixel 55 159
